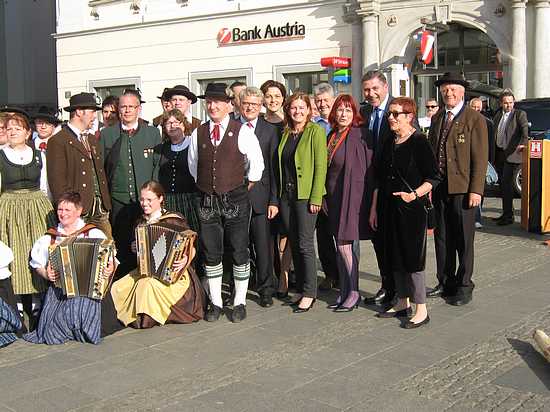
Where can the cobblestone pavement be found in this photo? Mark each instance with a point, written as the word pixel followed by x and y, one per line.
pixel 473 358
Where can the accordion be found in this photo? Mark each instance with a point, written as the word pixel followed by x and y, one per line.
pixel 159 245
pixel 81 265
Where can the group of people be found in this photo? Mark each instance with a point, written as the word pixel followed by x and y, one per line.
pixel 256 185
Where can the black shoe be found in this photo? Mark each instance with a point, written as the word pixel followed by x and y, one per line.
pixel 505 222
pixel 282 295
pixel 376 299
pixel 496 219
pixel 460 300
pixel 298 309
pixel 266 301
pixel 239 313
pixel 412 325
pixel 398 314
pixel 435 292
pixel 342 308
pixel 213 313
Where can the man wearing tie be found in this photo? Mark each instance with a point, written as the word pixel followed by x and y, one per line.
pixel 225 159
pixel 459 139
pixel 75 162
pixel 373 111
pixel 263 195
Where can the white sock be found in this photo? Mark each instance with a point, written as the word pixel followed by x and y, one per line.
pixel 241 273
pixel 214 275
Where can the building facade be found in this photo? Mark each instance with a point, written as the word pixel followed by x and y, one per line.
pixel 107 45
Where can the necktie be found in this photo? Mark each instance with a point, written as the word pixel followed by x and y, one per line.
pixel 448 123
pixel 42 146
pixel 375 126
pixel 84 141
pixel 249 125
pixel 500 131
pixel 216 133
pixel 131 132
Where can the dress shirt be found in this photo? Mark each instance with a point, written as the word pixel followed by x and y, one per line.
pixel 129 127
pixel 248 145
pixel 44 175
pixel 6 257
pixel 77 132
pixel 252 122
pixel 455 110
pixel 380 112
pixel 323 123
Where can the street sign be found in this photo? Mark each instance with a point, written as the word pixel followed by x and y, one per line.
pixel 342 76
pixel 336 62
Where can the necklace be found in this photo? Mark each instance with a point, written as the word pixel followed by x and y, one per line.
pixel 401 139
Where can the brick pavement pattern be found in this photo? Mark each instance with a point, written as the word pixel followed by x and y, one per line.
pixel 479 357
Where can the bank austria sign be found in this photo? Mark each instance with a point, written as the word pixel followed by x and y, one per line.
pixel 258 34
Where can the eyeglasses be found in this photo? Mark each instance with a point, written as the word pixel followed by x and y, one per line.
pixel 127 108
pixel 395 114
pixel 249 104
pixel 431 107
pixel 173 124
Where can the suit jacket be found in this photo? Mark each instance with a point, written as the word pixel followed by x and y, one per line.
pixel 516 132
pixel 384 131
pixel 467 150
pixel 311 163
pixel 71 169
pixel 143 155
pixel 264 192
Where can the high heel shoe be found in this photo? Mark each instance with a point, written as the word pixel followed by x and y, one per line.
pixel 397 314
pixel 298 309
pixel 343 308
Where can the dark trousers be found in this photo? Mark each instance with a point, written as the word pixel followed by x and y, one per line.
pixel 326 247
pixel 454 234
pixel 224 217
pixel 123 221
pixel 388 281
pixel 411 285
pixel 261 242
pixel 300 226
pixel 505 172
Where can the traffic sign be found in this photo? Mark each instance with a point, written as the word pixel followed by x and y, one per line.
pixel 336 62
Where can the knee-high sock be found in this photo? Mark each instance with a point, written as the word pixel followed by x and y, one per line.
pixel 214 275
pixel 241 273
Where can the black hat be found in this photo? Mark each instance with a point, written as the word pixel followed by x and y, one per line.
pixel 47 114
pixel 13 109
pixel 216 91
pixel 163 96
pixel 82 101
pixel 452 78
pixel 180 90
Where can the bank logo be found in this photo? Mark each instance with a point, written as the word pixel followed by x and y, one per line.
pixel 224 36
pixel 258 34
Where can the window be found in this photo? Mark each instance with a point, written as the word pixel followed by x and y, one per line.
pixel 113 87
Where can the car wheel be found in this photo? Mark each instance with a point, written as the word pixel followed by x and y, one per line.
pixel 517 180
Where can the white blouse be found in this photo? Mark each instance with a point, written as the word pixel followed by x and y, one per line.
pixel 40 251
pixel 6 257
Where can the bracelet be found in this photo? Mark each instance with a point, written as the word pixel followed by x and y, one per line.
pixel 415 194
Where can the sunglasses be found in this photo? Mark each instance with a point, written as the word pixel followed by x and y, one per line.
pixel 395 115
pixel 431 107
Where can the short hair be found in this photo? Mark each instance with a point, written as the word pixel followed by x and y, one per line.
pixel 347 101
pixel 506 93
pixel 273 83
pixel 132 92
pixel 110 101
pixel 408 104
pixel 286 107
pixel 237 84
pixel 251 91
pixel 475 100
pixel 20 119
pixel 176 113
pixel 71 197
pixel 153 186
pixel 374 74
pixel 3 118
pixel 323 88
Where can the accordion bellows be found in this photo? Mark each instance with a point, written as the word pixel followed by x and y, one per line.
pixel 81 265
pixel 161 244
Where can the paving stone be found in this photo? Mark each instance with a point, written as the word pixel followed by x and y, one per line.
pixel 63 398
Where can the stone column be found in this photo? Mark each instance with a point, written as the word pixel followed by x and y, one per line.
pixel 518 59
pixel 541 78
pixel 357 59
pixel 371 43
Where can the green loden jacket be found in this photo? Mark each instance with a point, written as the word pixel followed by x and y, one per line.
pixel 311 163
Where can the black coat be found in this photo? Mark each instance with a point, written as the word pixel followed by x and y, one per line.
pixel 403 225
pixel 264 192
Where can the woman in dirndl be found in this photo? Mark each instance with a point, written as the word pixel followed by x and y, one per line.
pixel 10 321
pixel 78 318
pixel 143 302
pixel 25 211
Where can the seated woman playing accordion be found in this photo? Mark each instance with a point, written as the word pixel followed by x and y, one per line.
pixel 158 292
pixel 67 312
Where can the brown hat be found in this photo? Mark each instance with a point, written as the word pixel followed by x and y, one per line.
pixel 82 101
pixel 452 78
